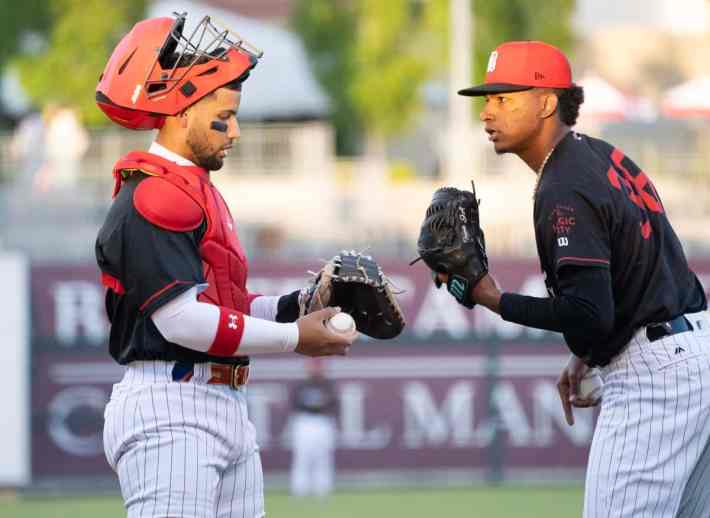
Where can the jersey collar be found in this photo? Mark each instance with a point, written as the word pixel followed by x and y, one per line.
pixel 162 151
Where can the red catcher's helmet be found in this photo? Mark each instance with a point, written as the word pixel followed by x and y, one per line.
pixel 156 71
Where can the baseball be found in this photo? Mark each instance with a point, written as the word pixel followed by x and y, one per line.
pixel 591 386
pixel 342 323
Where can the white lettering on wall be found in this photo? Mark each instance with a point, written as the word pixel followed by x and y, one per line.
pixel 277 286
pixel 79 312
pixel 439 311
pixel 68 402
pixel 425 424
pixel 534 286
pixel 511 414
pixel 353 428
pixel 548 414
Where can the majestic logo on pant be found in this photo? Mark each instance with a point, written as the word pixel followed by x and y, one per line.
pixel 232 322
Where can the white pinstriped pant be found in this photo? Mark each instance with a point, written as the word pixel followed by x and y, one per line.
pixel 182 449
pixel 650 455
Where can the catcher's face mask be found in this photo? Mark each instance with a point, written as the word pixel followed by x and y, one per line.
pixel 156 70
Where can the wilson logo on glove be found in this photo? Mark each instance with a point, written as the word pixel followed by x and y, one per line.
pixel 451 241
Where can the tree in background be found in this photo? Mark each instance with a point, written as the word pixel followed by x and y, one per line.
pixel 20 20
pixel 327 30
pixel 80 38
pixel 497 21
pixel 392 61
pixel 373 56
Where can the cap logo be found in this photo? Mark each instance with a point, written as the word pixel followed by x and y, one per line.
pixel 492 61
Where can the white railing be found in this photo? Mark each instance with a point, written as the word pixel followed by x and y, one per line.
pixel 291 196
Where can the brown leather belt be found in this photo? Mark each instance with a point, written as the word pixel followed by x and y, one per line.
pixel 233 375
pixel 220 374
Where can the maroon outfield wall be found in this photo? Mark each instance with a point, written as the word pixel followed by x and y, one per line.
pixel 461 394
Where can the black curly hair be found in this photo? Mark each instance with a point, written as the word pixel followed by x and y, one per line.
pixel 570 99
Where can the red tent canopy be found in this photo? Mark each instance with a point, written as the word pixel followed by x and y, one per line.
pixel 689 99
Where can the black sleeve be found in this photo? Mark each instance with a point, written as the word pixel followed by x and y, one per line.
pixel 159 264
pixel 571 226
pixel 287 309
pixel 583 311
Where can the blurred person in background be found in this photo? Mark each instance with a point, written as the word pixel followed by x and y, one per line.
pixel 620 292
pixel 269 241
pixel 65 143
pixel 177 430
pixel 313 433
pixel 27 149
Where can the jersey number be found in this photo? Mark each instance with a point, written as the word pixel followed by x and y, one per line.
pixel 638 188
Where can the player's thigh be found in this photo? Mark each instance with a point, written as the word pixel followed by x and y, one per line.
pixel 648 439
pixel 170 474
pixel 171 461
pixel 241 491
pixel 695 502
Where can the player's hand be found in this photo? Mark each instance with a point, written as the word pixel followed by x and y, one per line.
pixel 568 384
pixel 485 292
pixel 315 339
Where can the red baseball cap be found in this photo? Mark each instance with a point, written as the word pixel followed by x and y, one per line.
pixel 522 65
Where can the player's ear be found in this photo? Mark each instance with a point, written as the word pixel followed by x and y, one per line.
pixel 548 104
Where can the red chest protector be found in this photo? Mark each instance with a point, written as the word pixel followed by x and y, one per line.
pixel 180 198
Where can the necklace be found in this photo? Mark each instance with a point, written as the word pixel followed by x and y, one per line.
pixel 540 170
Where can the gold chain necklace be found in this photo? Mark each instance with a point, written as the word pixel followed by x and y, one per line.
pixel 540 170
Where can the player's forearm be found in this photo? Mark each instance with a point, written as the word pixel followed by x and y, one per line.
pixel 583 311
pixel 219 331
pixel 537 312
pixel 487 294
pixel 282 308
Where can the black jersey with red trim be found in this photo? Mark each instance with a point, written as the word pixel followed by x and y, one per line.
pixel 596 208
pixel 155 266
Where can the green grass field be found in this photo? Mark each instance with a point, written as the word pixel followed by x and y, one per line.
pixel 503 502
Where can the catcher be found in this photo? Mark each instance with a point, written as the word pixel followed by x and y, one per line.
pixel 183 323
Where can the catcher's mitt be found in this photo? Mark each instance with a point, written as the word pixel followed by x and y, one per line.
pixel 355 282
pixel 451 241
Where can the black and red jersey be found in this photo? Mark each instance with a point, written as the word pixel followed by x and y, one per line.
pixel 154 265
pixel 595 208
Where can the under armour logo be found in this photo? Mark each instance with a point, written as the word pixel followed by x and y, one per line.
pixel 679 350
pixel 232 322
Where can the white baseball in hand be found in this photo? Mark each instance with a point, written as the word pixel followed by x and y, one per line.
pixel 341 323
pixel 591 386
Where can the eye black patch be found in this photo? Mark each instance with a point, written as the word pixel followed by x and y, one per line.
pixel 219 126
